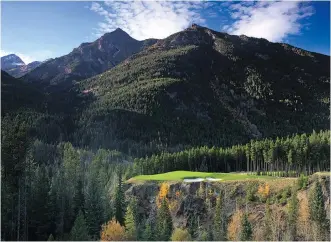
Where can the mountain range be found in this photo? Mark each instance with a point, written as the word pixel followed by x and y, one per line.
pixel 88 59
pixel 195 87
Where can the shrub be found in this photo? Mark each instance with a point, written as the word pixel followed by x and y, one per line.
pixel 181 235
pixel 251 190
pixel 302 182
pixel 112 231
pixel 263 192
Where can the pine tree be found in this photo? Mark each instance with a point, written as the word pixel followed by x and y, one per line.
pixel 193 225
pixel 246 229
pixel 293 215
pixel 267 222
pixel 119 201
pixel 93 207
pixel 131 223
pixel 148 232
pixel 79 198
pixel 163 222
pixel 51 237
pixel 79 231
pixel 219 221
pixel 317 211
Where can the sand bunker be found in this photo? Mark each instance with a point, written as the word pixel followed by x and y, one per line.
pixel 213 179
pixel 201 179
pixel 194 180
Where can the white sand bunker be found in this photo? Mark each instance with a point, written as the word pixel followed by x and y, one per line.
pixel 201 179
pixel 194 180
pixel 213 179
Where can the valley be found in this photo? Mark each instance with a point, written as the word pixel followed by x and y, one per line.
pixel 201 135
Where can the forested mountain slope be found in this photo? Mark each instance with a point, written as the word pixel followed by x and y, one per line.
pixel 201 87
pixel 87 60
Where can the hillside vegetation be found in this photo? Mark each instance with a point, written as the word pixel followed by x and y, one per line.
pixel 200 87
pixel 83 156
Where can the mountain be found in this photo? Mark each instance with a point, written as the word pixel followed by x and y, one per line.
pixel 88 59
pixel 15 66
pixel 11 61
pixel 202 87
pixel 195 87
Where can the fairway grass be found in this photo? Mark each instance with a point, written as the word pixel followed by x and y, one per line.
pixel 181 175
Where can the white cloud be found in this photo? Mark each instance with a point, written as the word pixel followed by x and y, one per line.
pixel 270 20
pixel 29 57
pixel 148 19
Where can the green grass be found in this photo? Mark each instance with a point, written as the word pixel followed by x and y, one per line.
pixel 180 175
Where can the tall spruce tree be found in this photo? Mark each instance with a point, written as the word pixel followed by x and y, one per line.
pixel 267 222
pixel 79 231
pixel 317 211
pixel 163 222
pixel 148 231
pixel 219 221
pixel 246 229
pixel 93 207
pixel 292 215
pixel 131 223
pixel 119 201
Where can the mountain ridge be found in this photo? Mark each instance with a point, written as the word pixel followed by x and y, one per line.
pixel 88 59
pixel 195 87
pixel 226 88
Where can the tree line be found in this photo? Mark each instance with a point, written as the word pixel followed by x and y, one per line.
pixel 290 156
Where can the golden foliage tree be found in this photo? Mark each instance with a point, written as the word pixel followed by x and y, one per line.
pixel 181 235
pixel 112 231
pixel 164 189
pixel 234 226
pixel 264 191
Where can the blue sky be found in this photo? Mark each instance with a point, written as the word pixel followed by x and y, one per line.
pixel 41 30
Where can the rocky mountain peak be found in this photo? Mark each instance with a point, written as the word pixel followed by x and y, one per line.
pixel 11 61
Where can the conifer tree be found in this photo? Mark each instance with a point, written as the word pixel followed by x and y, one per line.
pixel 119 201
pixel 163 222
pixel 317 211
pixel 51 237
pixel 219 221
pixel 79 231
pixel 131 223
pixel 148 232
pixel 246 229
pixel 267 221
pixel 93 207
pixel 293 214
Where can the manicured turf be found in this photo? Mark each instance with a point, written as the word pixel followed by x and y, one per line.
pixel 180 175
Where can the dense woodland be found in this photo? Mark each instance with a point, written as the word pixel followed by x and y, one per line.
pixel 290 156
pixel 61 192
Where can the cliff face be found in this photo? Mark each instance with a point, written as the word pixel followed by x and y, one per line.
pixel 198 200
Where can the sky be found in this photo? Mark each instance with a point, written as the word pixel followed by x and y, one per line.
pixel 41 30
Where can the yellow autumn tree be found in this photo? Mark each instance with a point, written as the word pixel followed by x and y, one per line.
pixel 264 191
pixel 164 189
pixel 112 231
pixel 234 226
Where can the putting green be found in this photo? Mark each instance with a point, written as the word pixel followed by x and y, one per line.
pixel 181 175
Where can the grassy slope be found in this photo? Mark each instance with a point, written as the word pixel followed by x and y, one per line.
pixel 180 175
